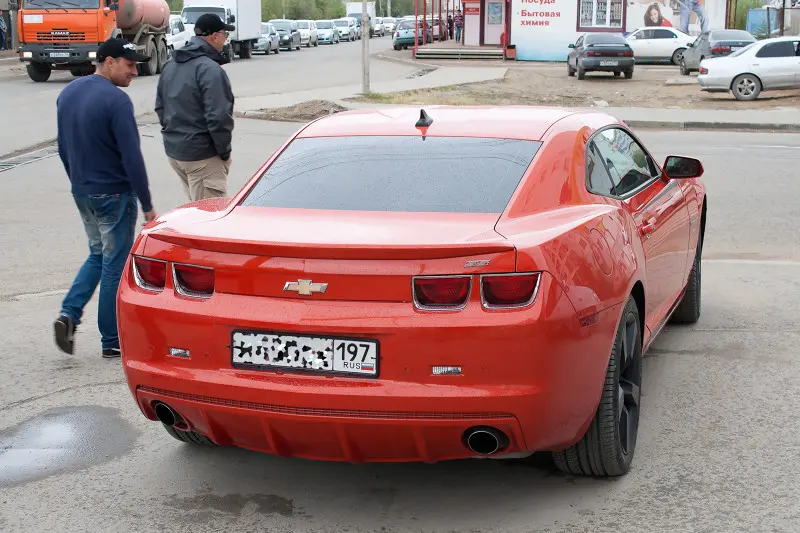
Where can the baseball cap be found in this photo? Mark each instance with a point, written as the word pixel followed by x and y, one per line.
pixel 119 48
pixel 208 24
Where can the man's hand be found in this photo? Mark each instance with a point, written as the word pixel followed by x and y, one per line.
pixel 150 215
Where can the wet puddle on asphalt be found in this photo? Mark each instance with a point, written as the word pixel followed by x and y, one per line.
pixel 62 440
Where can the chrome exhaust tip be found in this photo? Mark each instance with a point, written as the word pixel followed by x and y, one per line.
pixel 165 414
pixel 485 440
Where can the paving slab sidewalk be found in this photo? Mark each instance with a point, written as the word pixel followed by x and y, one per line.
pixel 437 78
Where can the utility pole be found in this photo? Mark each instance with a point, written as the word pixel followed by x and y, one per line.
pixel 13 7
pixel 364 48
pixel 389 9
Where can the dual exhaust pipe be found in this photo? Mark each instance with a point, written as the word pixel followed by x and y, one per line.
pixel 166 415
pixel 485 440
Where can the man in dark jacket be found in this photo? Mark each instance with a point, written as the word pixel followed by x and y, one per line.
pixel 194 103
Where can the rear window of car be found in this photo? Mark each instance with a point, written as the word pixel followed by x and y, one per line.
pixel 302 25
pixel 731 35
pixel 406 25
pixel 395 173
pixel 604 38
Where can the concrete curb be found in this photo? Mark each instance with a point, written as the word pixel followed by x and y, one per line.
pixel 643 124
pixel 412 62
pixel 726 126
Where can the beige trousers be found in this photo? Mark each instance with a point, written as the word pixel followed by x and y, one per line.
pixel 203 179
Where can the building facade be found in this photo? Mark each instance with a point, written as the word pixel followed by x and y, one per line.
pixel 542 30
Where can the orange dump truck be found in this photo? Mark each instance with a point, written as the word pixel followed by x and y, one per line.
pixel 65 34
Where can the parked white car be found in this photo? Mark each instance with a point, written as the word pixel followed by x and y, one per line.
pixel 308 33
pixel 379 29
pixel 767 65
pixel 658 44
pixel 389 24
pixel 347 29
pixel 178 35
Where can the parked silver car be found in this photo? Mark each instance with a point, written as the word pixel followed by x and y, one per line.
pixel 713 43
pixel 269 40
pixel 770 64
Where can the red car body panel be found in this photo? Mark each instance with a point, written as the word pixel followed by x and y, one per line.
pixel 535 373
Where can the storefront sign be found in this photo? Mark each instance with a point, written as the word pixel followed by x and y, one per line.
pixel 542 30
pixel 472 10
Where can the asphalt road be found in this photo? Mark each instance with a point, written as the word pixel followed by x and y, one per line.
pixel 717 448
pixel 29 109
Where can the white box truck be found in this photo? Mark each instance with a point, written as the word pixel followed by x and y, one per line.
pixel 244 14
pixel 354 10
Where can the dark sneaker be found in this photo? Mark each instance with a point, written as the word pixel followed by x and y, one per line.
pixel 111 353
pixel 65 334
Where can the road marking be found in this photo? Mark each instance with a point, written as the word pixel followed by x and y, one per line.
pixel 776 262
pixel 31 295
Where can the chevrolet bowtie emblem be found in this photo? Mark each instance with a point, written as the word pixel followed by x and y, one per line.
pixel 305 287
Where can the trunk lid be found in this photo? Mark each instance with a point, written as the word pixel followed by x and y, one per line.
pixel 361 256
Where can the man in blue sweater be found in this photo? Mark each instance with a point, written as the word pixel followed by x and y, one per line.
pixel 98 142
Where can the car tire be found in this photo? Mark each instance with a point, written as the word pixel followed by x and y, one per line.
pixel 684 70
pixel 746 87
pixel 688 311
pixel 607 448
pixel 189 437
pixel 628 74
pixel 581 72
pixel 617 73
pixel 677 56
pixel 396 47
pixel 570 70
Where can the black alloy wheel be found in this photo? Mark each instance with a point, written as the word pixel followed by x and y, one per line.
pixel 608 446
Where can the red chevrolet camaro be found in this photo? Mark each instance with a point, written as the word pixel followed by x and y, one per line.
pixel 420 285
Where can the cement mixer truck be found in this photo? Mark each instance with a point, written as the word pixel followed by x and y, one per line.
pixel 65 34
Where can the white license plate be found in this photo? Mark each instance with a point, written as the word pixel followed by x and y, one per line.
pixel 734 48
pixel 609 63
pixel 312 353
pixel 59 54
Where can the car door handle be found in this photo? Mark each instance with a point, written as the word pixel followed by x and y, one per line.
pixel 648 228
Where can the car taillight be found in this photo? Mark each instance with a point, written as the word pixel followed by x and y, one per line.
pixel 720 49
pixel 447 292
pixel 628 54
pixel 508 290
pixel 150 274
pixel 194 281
pixel 703 70
pixel 590 54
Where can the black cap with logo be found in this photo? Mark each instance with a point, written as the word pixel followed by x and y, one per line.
pixel 119 48
pixel 209 24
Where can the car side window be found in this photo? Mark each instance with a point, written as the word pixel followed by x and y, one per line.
pixel 579 42
pixel 779 49
pixel 628 164
pixel 646 34
pixel 663 34
pixel 598 180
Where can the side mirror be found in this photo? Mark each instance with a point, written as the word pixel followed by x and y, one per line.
pixel 233 18
pixel 689 45
pixel 677 167
pixel 571 46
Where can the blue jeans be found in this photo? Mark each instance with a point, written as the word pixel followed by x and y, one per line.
pixel 110 224
pixel 458 33
pixel 689 6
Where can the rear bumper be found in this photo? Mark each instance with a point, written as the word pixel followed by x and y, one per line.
pixel 601 64
pixel 43 53
pixel 535 374
pixel 714 83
